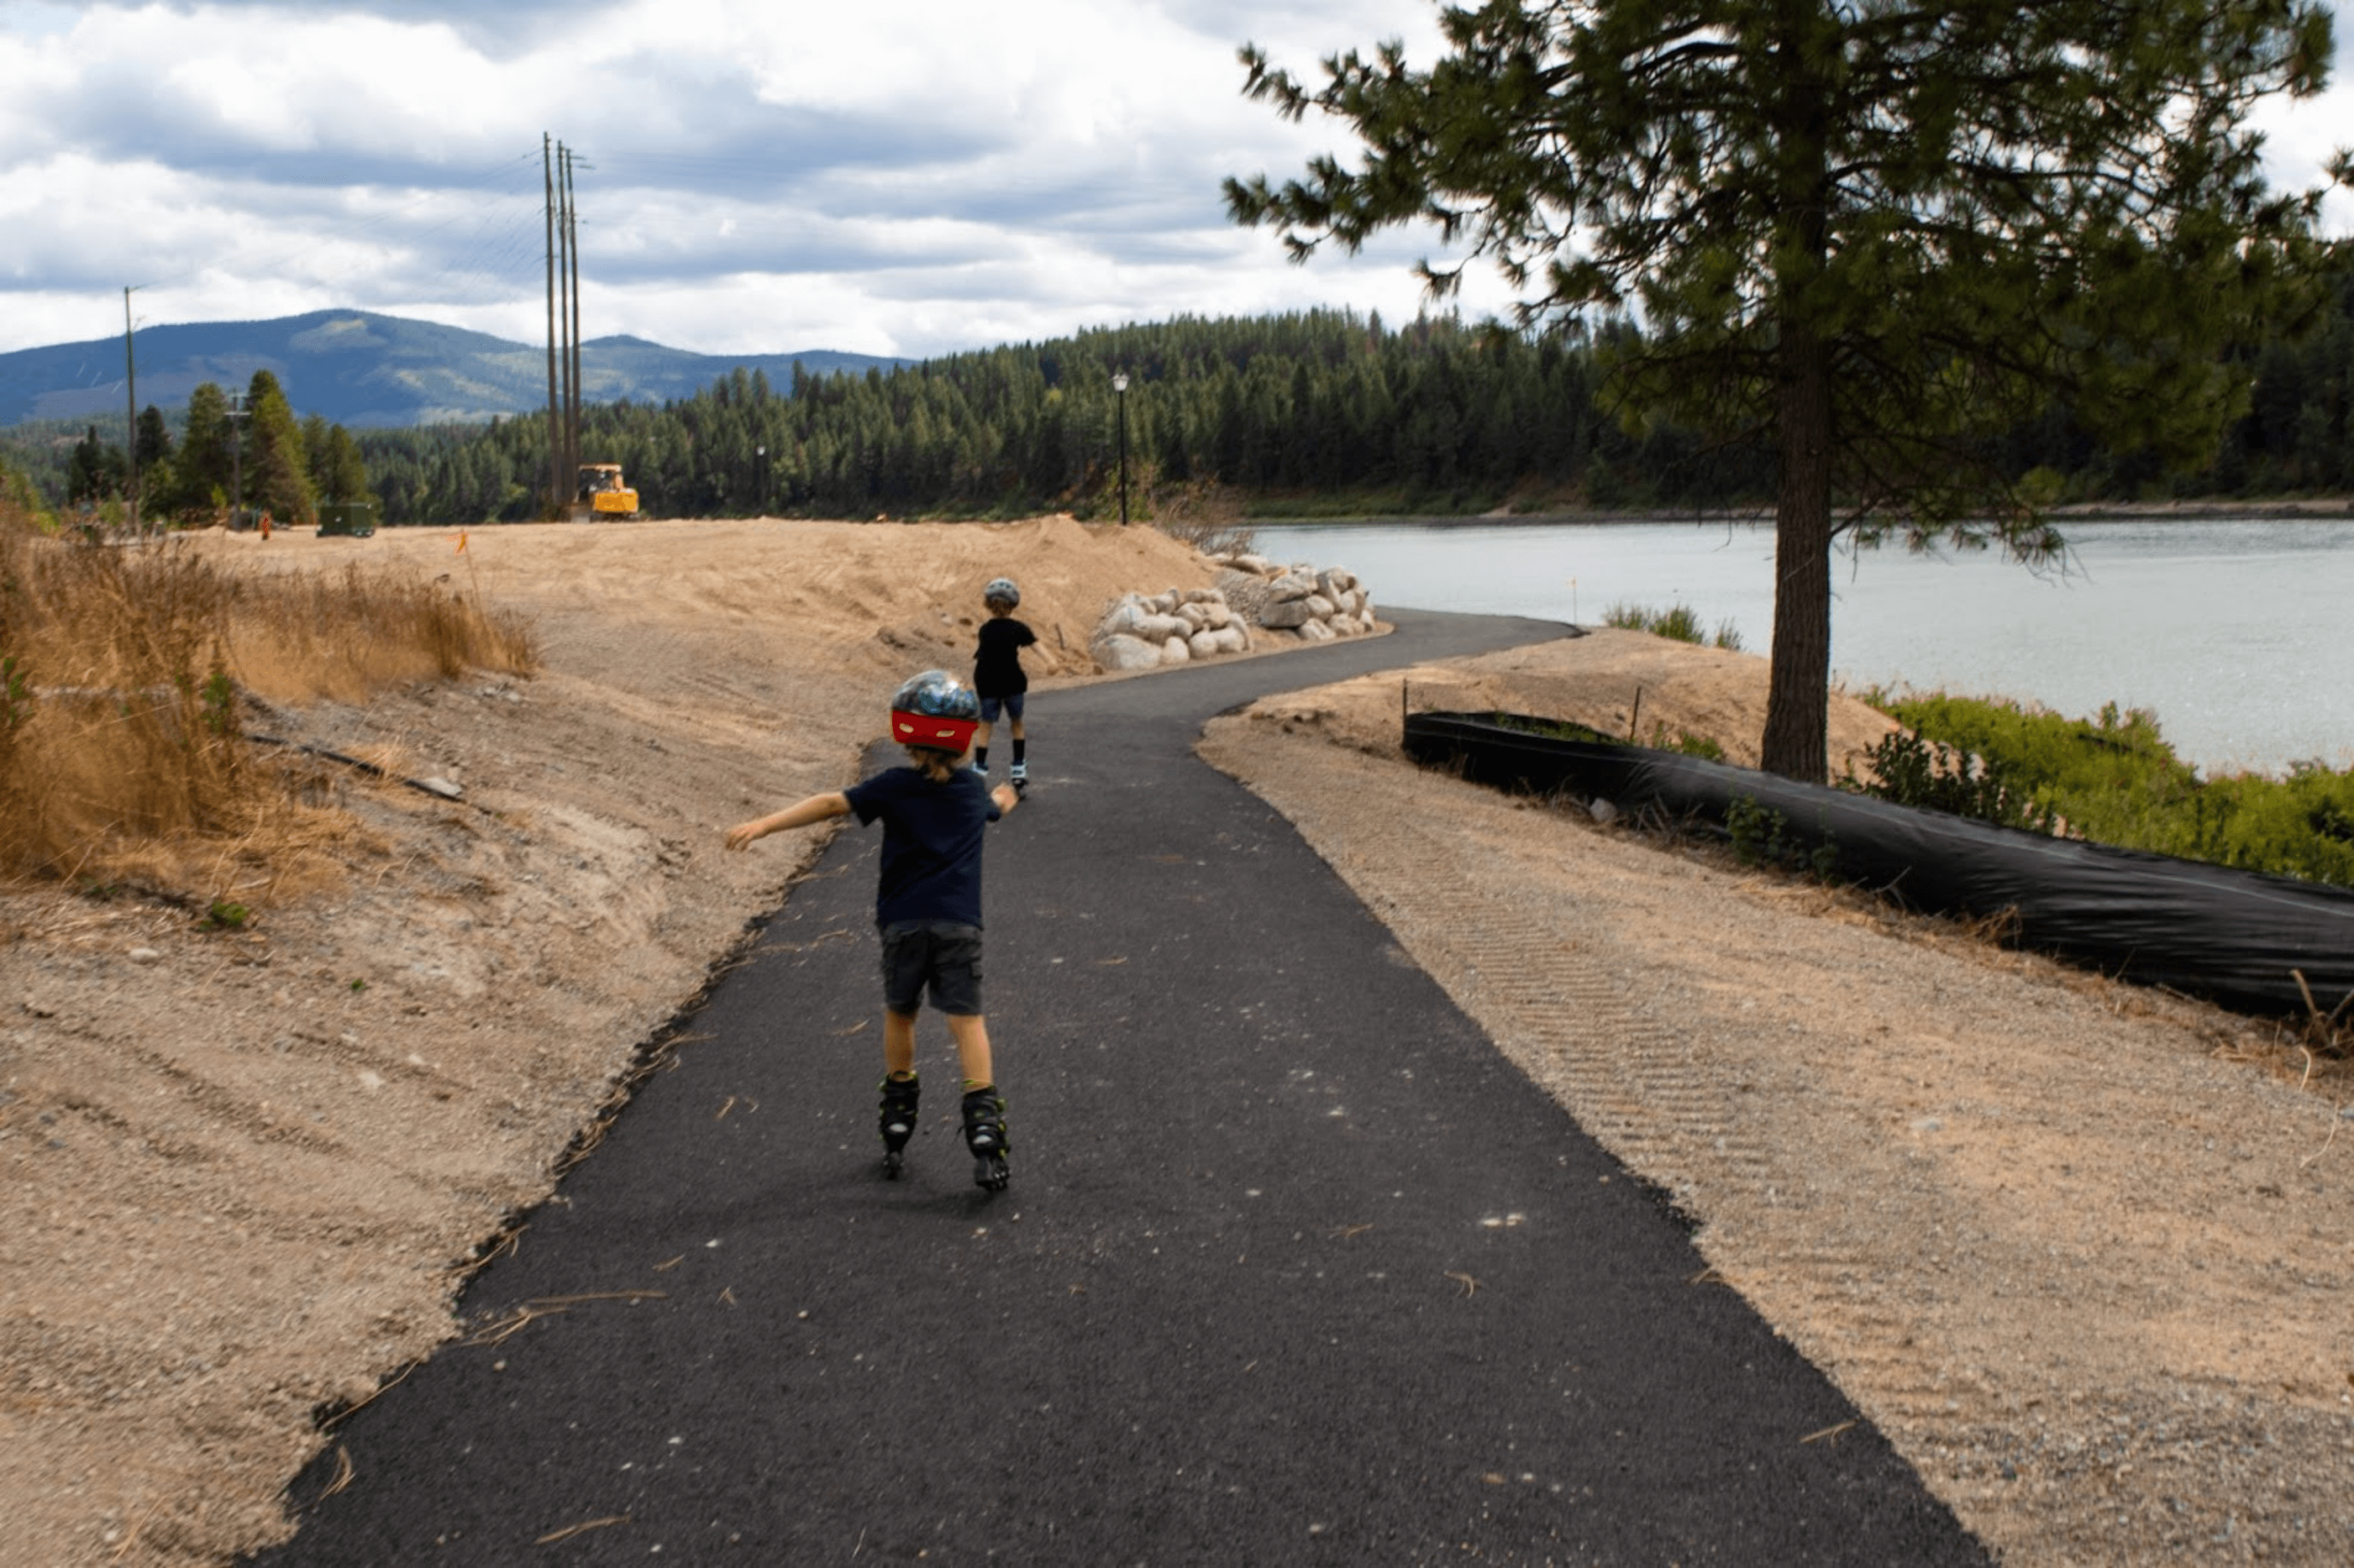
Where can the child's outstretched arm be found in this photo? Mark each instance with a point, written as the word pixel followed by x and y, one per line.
pixel 800 814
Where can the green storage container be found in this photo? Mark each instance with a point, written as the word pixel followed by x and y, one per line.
pixel 355 518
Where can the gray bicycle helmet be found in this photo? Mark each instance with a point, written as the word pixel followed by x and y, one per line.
pixel 1001 590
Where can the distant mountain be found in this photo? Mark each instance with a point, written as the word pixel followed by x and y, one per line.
pixel 362 369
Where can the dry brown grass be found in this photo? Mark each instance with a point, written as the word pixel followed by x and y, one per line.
pixel 123 753
pixel 345 635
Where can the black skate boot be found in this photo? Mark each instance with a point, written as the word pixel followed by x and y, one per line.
pixel 898 1121
pixel 984 1134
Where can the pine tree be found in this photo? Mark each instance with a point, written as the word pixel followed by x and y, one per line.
pixel 200 476
pixel 277 470
pixel 1871 238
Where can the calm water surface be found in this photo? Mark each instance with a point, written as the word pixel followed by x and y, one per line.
pixel 2233 632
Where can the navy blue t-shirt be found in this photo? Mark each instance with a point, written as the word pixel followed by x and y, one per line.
pixel 997 663
pixel 932 842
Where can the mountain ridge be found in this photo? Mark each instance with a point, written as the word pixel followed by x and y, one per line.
pixel 365 369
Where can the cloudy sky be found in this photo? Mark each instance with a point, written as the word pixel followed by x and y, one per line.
pixel 898 177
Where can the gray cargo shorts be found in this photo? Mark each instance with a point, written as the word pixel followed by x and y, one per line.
pixel 942 954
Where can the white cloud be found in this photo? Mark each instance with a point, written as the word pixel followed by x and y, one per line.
pixel 911 178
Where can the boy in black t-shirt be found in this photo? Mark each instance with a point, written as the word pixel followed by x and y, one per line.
pixel 998 679
pixel 926 905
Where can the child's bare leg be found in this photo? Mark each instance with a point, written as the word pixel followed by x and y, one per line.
pixel 981 734
pixel 1014 727
pixel 971 1034
pixel 899 1042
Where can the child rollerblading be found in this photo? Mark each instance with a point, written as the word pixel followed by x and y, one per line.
pixel 998 678
pixel 926 906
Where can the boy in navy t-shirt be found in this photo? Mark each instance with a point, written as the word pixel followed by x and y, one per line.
pixel 926 905
pixel 998 678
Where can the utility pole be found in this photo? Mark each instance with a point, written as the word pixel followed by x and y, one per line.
pixel 131 383
pixel 572 375
pixel 237 411
pixel 556 492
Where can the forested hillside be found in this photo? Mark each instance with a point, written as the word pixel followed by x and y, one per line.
pixel 1290 415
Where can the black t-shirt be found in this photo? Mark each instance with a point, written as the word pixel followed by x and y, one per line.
pixel 932 842
pixel 997 663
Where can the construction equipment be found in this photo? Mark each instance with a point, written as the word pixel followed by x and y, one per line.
pixel 603 497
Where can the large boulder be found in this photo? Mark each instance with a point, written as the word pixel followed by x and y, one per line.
pixel 1121 652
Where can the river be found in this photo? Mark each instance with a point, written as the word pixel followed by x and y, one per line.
pixel 2232 631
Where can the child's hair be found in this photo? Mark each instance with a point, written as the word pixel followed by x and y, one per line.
pixel 998 605
pixel 935 764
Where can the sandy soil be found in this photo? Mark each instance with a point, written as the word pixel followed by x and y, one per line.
pixel 2083 1251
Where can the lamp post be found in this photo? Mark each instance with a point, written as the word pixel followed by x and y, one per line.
pixel 760 480
pixel 236 412
pixel 1119 389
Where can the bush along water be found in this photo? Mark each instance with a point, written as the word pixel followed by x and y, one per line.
pixel 2113 779
pixel 1678 622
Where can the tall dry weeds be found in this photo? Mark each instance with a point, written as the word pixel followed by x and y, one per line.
pixel 346 635
pixel 123 754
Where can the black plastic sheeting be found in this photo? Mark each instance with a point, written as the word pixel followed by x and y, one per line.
pixel 2234 937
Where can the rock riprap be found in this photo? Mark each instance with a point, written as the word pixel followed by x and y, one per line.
pixel 1254 599
pixel 1314 604
pixel 1140 632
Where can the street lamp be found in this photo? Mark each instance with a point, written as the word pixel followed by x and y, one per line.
pixel 236 412
pixel 1120 385
pixel 760 480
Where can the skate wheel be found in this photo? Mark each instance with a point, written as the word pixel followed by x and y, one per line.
pixel 893 1163
pixel 989 1171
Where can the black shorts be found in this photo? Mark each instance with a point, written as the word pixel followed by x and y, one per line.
pixel 942 954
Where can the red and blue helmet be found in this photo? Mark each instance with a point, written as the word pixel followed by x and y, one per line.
pixel 935 710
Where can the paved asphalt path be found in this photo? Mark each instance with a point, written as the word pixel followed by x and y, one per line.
pixel 1295 1267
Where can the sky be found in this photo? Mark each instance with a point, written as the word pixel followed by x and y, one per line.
pixel 907 178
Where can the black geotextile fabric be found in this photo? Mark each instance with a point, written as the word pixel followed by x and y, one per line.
pixel 2237 938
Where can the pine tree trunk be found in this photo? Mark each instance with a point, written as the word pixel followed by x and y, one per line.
pixel 1798 700
pixel 1795 743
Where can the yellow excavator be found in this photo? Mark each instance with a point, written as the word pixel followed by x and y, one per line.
pixel 603 497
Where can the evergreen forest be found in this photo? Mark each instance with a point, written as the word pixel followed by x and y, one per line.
pixel 1319 413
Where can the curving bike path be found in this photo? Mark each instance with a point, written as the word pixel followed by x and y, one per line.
pixel 1295 1266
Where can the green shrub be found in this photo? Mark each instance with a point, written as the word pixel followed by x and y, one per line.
pixel 2113 779
pixel 1679 622
pixel 1913 770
